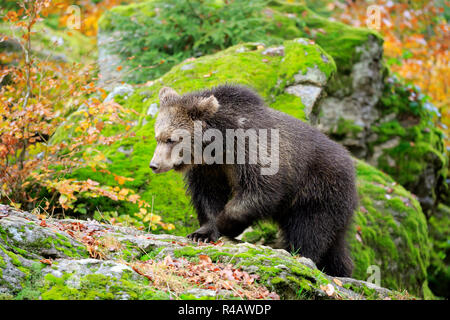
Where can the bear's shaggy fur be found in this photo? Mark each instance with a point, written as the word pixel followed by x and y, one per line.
pixel 312 196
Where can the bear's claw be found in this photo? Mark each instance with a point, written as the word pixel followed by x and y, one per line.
pixel 204 235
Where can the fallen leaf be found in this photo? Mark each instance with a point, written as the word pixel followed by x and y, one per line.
pixel 204 259
pixel 168 260
pixel 329 289
pixel 338 282
pixel 46 261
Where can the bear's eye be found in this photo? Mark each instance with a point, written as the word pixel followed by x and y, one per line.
pixel 170 141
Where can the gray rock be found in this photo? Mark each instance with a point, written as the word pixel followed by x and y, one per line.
pixel 152 109
pixel 309 94
pixel 355 103
pixel 302 41
pixel 124 89
pixel 108 61
pixel 188 66
pixel 125 151
pixel 274 51
pixel 312 75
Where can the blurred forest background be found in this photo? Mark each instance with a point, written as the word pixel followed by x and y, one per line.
pixel 51 85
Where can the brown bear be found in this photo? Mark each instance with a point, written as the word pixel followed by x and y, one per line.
pixel 311 193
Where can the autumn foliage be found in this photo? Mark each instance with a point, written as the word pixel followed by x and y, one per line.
pixel 35 95
pixel 416 42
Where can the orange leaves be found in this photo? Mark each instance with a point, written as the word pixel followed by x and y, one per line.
pixel 11 16
pixel 46 261
pixel 204 259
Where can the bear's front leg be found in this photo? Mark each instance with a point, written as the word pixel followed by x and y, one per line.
pixel 236 217
pixel 207 233
pixel 209 197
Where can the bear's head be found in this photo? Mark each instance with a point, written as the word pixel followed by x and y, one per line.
pixel 175 125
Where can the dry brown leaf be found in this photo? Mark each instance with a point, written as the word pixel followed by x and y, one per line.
pixel 338 282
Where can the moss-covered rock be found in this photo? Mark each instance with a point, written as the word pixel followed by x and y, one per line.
pixel 129 276
pixel 407 145
pixel 390 232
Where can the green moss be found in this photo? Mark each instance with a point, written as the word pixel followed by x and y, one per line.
pixel 31 284
pixel 337 39
pixel 91 287
pixel 420 147
pixel 389 231
pixel 366 292
pixel 150 255
pixel 29 246
pixel 186 252
pixel 14 258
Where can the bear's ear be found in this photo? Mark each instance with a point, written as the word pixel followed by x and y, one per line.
pixel 166 94
pixel 205 108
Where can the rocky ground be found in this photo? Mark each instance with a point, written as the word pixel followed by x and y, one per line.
pixel 45 258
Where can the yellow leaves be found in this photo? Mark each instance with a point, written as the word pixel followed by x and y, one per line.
pixel 99 125
pixel 57 87
pixel 99 157
pixel 152 218
pixel 63 200
pixel 169 226
pixel 133 198
pixel 209 74
pixel 90 183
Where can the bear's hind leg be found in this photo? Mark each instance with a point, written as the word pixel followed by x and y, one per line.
pixel 337 261
pixel 306 235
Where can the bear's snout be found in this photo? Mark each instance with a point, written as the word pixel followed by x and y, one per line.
pixel 154 166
